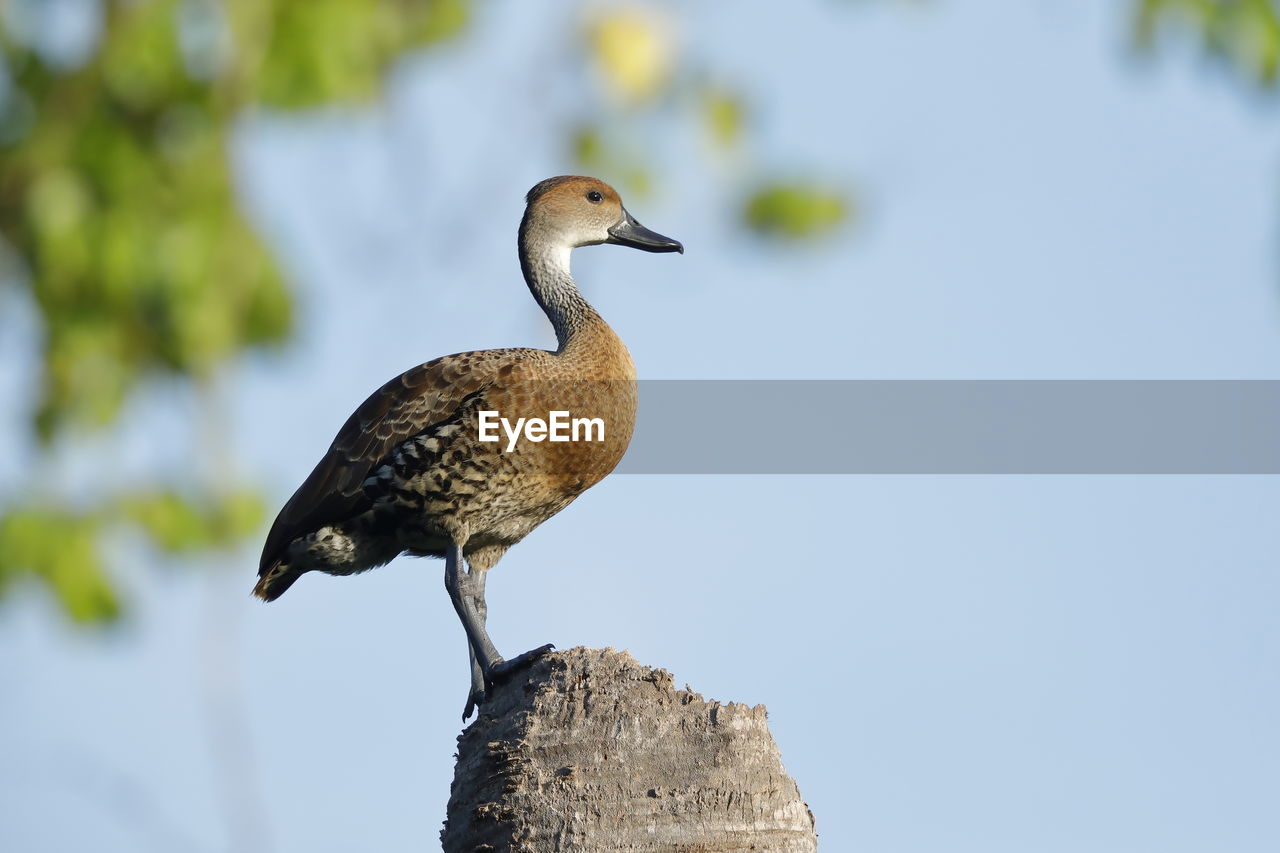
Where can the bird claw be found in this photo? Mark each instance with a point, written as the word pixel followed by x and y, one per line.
pixel 499 673
pixel 474 700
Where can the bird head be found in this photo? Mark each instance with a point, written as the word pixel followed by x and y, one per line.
pixel 571 211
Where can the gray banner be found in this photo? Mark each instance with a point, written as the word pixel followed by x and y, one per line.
pixel 956 427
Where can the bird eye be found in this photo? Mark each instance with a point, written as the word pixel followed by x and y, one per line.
pixel 595 197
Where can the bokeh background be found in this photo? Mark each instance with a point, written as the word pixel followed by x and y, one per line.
pixel 224 222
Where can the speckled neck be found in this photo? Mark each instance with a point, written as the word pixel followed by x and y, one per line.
pixel 545 264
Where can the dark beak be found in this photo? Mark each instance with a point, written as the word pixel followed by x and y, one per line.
pixel 628 232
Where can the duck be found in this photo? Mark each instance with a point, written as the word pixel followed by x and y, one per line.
pixel 416 468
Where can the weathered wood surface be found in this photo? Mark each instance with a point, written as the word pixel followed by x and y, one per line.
pixel 589 750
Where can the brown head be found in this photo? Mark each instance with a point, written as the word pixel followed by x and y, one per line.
pixel 570 211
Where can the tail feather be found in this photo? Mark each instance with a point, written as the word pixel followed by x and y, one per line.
pixel 275 580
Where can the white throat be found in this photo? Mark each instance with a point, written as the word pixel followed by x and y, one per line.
pixel 546 270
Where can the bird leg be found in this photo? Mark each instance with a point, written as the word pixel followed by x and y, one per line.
pixel 488 667
pixel 474 584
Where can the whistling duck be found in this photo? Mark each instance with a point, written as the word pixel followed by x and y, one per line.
pixel 413 470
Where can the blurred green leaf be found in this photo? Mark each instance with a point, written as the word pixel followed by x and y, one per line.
pixel 794 211
pixel 79 580
pixel 140 64
pixel 594 153
pixel 725 116
pixel 319 51
pixel 1243 33
pixel 650 82
pixel 588 148
pixel 173 523
pixel 179 524
pixel 634 49
pixel 60 549
pixel 241 514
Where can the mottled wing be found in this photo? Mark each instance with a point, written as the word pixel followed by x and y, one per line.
pixel 409 404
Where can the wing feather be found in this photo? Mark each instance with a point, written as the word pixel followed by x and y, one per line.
pixel 409 404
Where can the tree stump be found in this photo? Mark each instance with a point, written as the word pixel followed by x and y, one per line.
pixel 588 750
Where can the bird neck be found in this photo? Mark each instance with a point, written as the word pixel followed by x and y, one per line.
pixel 545 264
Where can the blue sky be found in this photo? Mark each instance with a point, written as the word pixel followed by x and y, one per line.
pixel 959 663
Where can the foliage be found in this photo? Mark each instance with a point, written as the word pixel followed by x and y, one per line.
pixel 117 198
pixel 645 79
pixel 795 210
pixel 1243 33
pixel 61 546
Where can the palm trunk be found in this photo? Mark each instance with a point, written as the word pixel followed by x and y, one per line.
pixel 587 750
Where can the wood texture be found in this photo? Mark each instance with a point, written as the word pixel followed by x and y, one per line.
pixel 589 750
